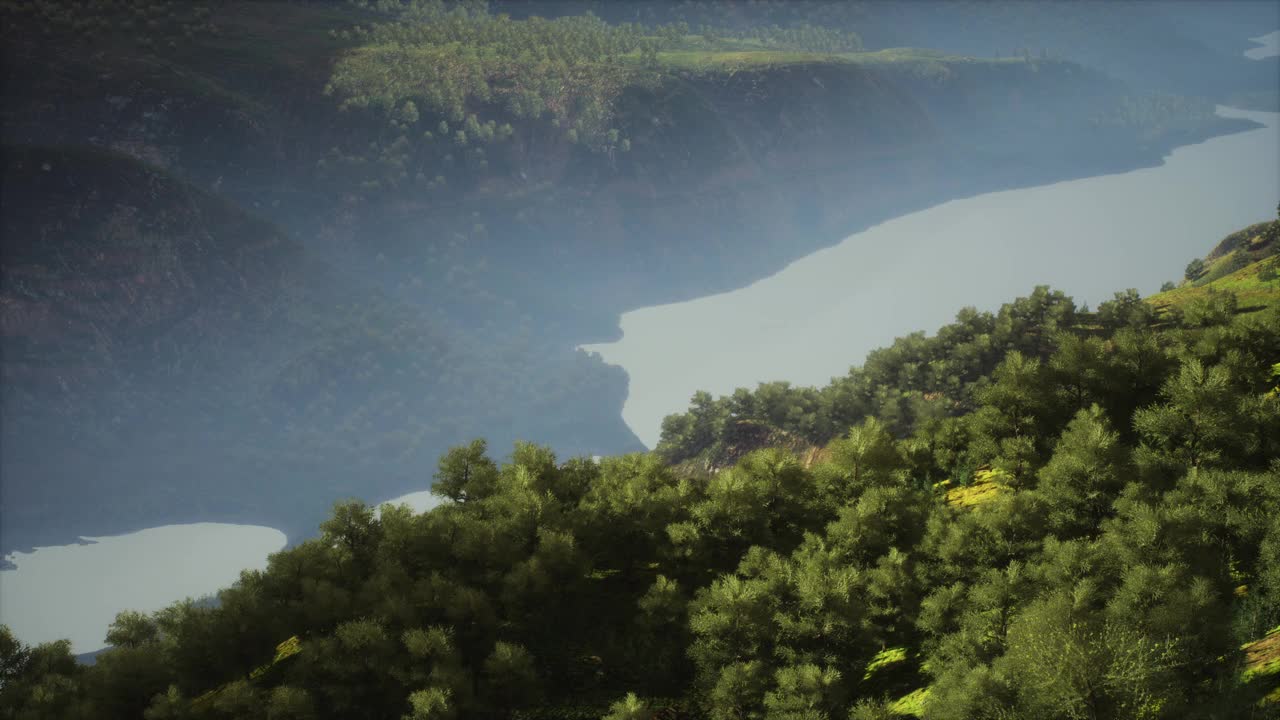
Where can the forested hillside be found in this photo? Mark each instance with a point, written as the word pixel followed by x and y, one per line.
pixel 448 197
pixel 1044 512
pixel 186 361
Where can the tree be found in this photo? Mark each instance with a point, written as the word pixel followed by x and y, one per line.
pixel 466 473
pixel 629 708
pixel 1194 427
pixel 509 679
pixel 865 457
pixel 132 629
pixel 290 703
pixel 431 704
pixel 804 691
pixel 39 682
pixel 1194 270
pixel 1271 273
pixel 1126 309
pixel 353 531
pixel 1028 324
pixel 684 436
pixel 348 670
pixel 1063 662
pixel 1012 417
pixel 880 520
pixel 1088 469
pixel 1213 309
pixel 1077 368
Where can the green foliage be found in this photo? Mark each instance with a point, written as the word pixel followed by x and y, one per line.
pixel 430 705
pixel 629 708
pixel 867 456
pixel 509 677
pixel 1087 471
pixel 1124 549
pixel 1194 269
pixel 1194 426
pixel 1060 664
pixel 1126 309
pixel 465 473
pixel 454 62
pixel 141 23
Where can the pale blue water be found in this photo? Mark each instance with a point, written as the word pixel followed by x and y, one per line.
pixel 1268 46
pixel 821 314
pixel 807 323
pixel 75 591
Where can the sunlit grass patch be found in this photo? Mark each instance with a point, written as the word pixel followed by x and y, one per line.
pixel 743 59
pixel 284 650
pixel 908 54
pixel 912 703
pixel 1262 657
pixel 1262 664
pixel 972 495
pixel 1251 290
pixel 885 658
pixel 987 485
pixel 288 648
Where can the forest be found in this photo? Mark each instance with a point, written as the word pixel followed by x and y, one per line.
pixel 1042 512
pixel 260 255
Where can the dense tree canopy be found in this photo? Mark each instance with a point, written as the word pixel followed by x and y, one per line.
pixel 1037 513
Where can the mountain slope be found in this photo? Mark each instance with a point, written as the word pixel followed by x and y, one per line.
pixel 171 358
pixel 1128 565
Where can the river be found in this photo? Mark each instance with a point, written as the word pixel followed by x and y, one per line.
pixel 805 324
pixel 1268 46
pixel 75 591
pixel 813 319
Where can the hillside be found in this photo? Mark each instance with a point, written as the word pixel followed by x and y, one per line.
pixel 411 260
pixel 699 159
pixel 1233 280
pixel 1243 265
pixel 1126 566
pixel 190 359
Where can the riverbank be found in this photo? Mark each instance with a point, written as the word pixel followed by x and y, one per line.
pixel 1087 237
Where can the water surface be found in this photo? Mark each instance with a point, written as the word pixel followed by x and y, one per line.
pixel 1089 238
pixel 1268 46
pixel 75 591
pixel 418 502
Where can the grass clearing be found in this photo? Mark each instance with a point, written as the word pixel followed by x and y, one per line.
pixel 715 61
pixel 1262 657
pixel 883 659
pixel 973 495
pixel 1252 292
pixel 732 56
pixel 1262 663
pixel 911 704
pixel 987 485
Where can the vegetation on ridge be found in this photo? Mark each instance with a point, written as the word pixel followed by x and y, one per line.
pixel 1139 458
